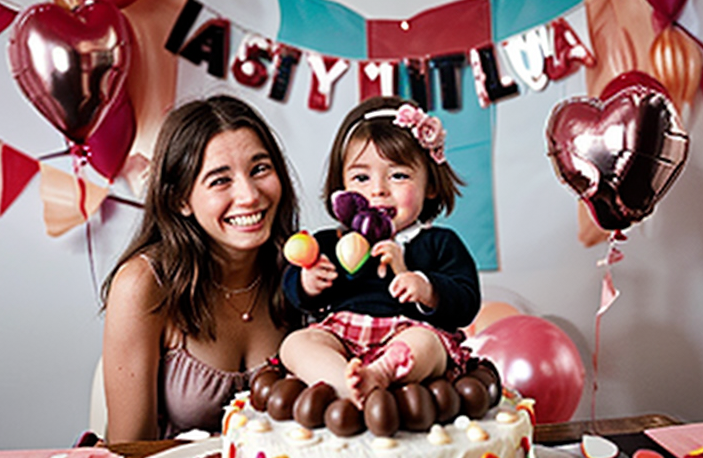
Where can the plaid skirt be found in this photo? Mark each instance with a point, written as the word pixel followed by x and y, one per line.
pixel 365 337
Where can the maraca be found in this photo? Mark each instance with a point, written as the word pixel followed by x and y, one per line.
pixel 301 249
pixel 352 251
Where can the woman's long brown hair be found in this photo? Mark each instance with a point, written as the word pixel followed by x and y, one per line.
pixel 182 254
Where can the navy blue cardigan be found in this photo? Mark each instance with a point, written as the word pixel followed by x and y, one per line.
pixel 437 252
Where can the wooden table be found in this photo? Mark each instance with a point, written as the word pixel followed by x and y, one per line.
pixel 550 434
pixel 572 431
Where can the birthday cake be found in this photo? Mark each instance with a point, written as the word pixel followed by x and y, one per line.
pixel 282 417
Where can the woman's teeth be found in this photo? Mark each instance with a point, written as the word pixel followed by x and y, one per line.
pixel 245 220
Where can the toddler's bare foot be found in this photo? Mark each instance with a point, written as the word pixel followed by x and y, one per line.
pixel 395 363
pixel 361 380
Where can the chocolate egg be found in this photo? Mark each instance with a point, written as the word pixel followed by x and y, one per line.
pixel 261 386
pixel 309 408
pixel 381 413
pixel 474 396
pixel 446 399
pixel 491 381
pixel 415 406
pixel 283 394
pixel 343 418
pixel 488 364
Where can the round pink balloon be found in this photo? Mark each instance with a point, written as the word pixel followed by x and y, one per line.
pixel 71 64
pixel 538 359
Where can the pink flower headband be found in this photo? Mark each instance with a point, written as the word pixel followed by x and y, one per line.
pixel 426 129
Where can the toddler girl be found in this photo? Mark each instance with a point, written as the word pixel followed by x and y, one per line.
pixel 396 319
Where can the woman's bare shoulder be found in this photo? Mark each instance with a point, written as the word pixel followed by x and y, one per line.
pixel 135 286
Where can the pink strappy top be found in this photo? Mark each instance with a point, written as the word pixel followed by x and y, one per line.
pixel 194 393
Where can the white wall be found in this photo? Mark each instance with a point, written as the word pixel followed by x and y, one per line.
pixel 651 345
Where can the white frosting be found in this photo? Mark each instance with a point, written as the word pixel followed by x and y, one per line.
pixel 505 440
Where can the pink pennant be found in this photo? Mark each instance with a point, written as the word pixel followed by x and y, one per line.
pixel 6 17
pixel 16 169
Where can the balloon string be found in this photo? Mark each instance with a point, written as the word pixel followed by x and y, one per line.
pixel 79 161
pixel 122 200
pixel 595 373
pixel 91 259
pixel 54 155
pixel 608 295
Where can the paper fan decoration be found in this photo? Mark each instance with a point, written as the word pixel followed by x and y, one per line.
pixel 68 200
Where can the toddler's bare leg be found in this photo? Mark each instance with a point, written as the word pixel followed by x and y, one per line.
pixel 429 354
pixel 315 355
pixel 412 356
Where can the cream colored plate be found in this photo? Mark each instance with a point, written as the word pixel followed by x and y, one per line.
pixel 193 450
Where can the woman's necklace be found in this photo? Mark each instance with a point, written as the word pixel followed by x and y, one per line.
pixel 246 315
pixel 244 289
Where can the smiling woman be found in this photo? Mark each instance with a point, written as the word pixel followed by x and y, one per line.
pixel 236 193
pixel 190 310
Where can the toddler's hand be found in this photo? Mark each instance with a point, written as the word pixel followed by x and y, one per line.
pixel 391 255
pixel 413 287
pixel 319 277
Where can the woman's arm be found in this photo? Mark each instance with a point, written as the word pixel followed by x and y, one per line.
pixel 131 351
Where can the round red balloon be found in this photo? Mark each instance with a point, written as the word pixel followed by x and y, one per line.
pixel 538 359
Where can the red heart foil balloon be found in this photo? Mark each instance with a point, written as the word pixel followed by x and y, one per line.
pixel 620 154
pixel 71 64
pixel 108 146
pixel 632 79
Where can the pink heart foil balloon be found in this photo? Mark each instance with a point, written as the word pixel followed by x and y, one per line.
pixel 352 251
pixel 71 64
pixel 621 154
